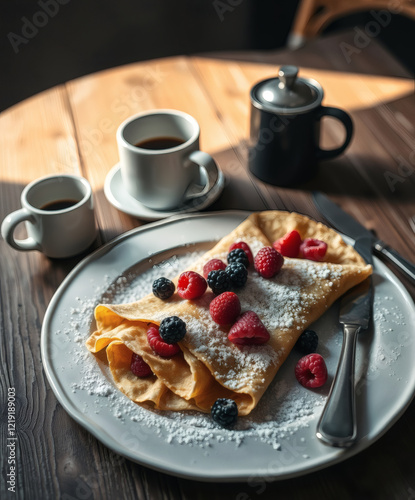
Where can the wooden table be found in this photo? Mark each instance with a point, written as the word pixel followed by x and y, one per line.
pixel 71 129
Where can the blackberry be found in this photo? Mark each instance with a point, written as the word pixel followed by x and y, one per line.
pixel 163 288
pixel 224 412
pixel 172 329
pixel 219 281
pixel 238 274
pixel 238 255
pixel 307 342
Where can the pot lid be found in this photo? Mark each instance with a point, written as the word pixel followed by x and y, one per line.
pixel 288 92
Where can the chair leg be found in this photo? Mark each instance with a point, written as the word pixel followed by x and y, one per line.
pixel 305 11
pixel 314 15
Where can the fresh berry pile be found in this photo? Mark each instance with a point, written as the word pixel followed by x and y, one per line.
pixel 163 288
pixel 268 262
pixel 248 329
pixel 191 285
pixel 225 412
pixel 307 342
pixel 245 327
pixel 311 371
pixel 225 308
pixel 139 367
pixel 158 345
pixel 172 329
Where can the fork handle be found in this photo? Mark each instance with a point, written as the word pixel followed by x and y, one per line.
pixel 393 256
pixel 337 424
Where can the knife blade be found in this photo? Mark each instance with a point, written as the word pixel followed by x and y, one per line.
pixel 346 224
pixel 337 424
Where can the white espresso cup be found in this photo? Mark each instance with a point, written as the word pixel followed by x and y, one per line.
pixel 58 212
pixel 161 164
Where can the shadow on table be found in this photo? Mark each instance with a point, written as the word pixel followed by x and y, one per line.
pixel 378 164
pixel 354 175
pixel 361 176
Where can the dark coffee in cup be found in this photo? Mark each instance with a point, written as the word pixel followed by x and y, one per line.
pixel 161 164
pixel 59 205
pixel 160 143
pixel 59 214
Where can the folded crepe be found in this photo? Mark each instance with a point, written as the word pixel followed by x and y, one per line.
pixel 209 366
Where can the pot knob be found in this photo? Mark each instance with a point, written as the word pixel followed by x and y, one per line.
pixel 287 76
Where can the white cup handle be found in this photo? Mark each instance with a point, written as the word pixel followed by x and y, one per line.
pixel 208 175
pixel 9 225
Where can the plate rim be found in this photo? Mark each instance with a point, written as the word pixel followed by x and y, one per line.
pixel 76 414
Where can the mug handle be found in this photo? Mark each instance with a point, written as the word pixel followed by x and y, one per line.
pixel 9 225
pixel 325 154
pixel 208 175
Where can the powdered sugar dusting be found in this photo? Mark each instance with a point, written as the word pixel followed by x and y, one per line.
pixel 285 409
pixel 280 413
pixel 290 302
pixel 241 366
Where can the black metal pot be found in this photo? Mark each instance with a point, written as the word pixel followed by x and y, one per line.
pixel 285 128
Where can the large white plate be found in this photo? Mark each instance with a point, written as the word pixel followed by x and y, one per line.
pixel 266 445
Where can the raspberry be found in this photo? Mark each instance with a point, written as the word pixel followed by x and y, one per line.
pixel 238 274
pixel 213 265
pixel 172 329
pixel 311 371
pixel 307 342
pixel 139 367
pixel 224 412
pixel 225 308
pixel 238 255
pixel 313 249
pixel 219 281
pixel 245 248
pixel 268 262
pixel 248 330
pixel 288 245
pixel 163 288
pixel 191 285
pixel 158 345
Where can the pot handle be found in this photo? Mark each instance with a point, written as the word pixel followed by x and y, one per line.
pixel 325 154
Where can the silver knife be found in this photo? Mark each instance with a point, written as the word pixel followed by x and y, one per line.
pixel 346 224
pixel 337 424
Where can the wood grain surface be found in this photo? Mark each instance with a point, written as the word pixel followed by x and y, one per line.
pixel 71 129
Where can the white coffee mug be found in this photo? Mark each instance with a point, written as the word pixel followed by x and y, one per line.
pixel 59 214
pixel 161 165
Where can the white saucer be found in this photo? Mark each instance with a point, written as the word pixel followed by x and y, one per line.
pixel 120 199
